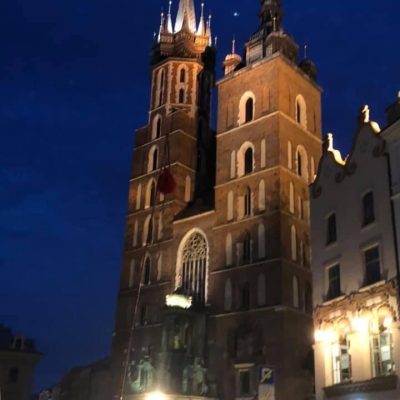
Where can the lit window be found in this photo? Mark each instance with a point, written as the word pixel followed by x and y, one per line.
pixel 341 360
pixel 331 230
pixel 372 265
pixel 382 352
pixel 368 209
pixel 194 257
pixel 334 289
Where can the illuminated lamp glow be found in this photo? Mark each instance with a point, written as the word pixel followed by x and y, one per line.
pixel 329 336
pixel 360 325
pixel 178 300
pixel 156 396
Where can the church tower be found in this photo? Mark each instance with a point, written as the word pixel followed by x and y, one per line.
pixel 215 298
pixel 268 147
pixel 176 139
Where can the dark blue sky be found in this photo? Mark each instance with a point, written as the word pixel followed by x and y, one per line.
pixel 73 87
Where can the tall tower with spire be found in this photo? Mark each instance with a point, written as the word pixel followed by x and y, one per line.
pixel 148 343
pixel 215 295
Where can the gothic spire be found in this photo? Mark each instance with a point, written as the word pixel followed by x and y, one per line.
pixel 170 29
pixel 186 11
pixel 201 30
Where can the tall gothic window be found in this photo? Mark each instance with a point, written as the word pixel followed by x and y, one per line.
pixel 182 76
pixel 158 128
pixel 247 249
pixel 147 271
pixel 247 202
pixel 181 99
pixel 194 267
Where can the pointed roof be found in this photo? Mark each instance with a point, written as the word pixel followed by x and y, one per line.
pixel 186 10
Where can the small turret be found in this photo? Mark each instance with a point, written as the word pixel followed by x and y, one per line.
pixel 308 66
pixel 232 60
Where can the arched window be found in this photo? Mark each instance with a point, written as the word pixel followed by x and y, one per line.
pixel 194 267
pixel 301 111
pixel 152 163
pixel 294 243
pixel 229 215
pixel 291 197
pixel 249 110
pixel 296 293
pixel 139 197
pixel 246 108
pixel 261 291
pixel 263 154
pixel 261 241
pixel 302 162
pixel 290 155
pixel 247 249
pixel 247 202
pixel 151 191
pixel 160 87
pixel 143 315
pixel 181 98
pixel 228 295
pixel 159 267
pixel 156 130
pixel 228 250
pixel 147 271
pixel 160 226
pixel 188 189
pixel 182 75
pixel 131 277
pixel 135 234
pixel 148 230
pixel 233 164
pixel 308 299
pixel 248 161
pixel 312 169
pixel 261 196
pixel 246 296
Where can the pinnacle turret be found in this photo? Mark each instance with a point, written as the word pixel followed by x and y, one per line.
pixel 186 11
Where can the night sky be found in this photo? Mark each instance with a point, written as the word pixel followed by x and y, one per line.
pixel 74 84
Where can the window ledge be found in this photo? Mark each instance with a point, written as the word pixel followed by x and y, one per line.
pixel 365 288
pixel 380 384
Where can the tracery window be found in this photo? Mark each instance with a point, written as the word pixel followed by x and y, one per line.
pixel 194 267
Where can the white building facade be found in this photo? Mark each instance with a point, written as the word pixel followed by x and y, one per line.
pixel 355 271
